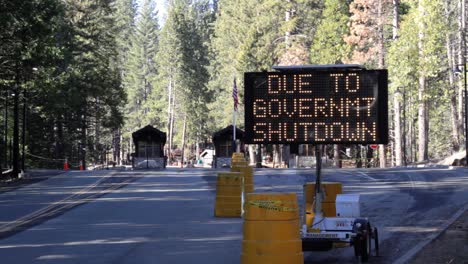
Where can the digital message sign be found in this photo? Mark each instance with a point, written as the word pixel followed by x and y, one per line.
pixel 316 106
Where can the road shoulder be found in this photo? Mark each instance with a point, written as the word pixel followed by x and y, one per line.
pixel 33 176
pixel 450 247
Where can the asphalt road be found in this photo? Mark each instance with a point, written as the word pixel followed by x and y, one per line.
pixel 167 216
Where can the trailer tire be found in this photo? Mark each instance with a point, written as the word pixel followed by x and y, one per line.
pixel 364 241
pixel 361 245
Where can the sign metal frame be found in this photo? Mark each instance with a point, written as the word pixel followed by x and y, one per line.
pixel 381 100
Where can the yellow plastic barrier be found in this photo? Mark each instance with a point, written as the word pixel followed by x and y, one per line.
pixel 271 229
pixel 228 201
pixel 238 155
pixel 247 172
pixel 330 191
pixel 241 163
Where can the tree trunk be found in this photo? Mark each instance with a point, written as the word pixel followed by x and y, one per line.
pixel 453 96
pixel 169 118
pixel 121 149
pixel 259 156
pixel 461 33
pixel 197 148
pixel 276 155
pixel 337 156
pixel 422 140
pixel 171 122
pixel 5 126
pixel 183 140
pixel 381 64
pixel 396 99
pixel 358 157
pixel 397 130
pixel 396 18
pixel 369 157
pixel 422 106
pixel 411 137
pixel 288 16
pixel 285 154
pixel 252 154
pixel 83 142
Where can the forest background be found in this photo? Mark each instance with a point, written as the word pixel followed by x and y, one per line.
pixel 88 73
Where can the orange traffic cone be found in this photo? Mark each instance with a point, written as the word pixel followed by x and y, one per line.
pixel 65 165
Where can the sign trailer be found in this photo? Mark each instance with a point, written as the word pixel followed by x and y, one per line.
pixel 321 104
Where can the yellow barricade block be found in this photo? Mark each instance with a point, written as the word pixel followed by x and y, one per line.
pixel 247 171
pixel 330 190
pixel 227 211
pixel 228 202
pixel 239 164
pixel 229 178
pixel 228 190
pixel 238 155
pixel 271 230
pixel 297 258
pixel 229 199
pixel 248 188
pixel 271 206
pixel 259 247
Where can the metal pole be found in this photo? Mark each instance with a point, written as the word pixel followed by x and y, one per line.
pixel 318 181
pixel 234 149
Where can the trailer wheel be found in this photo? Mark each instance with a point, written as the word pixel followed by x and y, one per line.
pixel 362 246
pixel 365 243
pixel 376 241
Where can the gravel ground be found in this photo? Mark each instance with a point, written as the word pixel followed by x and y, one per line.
pixel 451 247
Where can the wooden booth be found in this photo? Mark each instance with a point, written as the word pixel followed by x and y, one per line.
pixel 149 148
pixel 223 145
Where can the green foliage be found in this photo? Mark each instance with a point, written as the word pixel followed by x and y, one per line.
pixel 420 50
pixel 183 58
pixel 63 56
pixel 139 80
pixel 329 45
pixel 102 66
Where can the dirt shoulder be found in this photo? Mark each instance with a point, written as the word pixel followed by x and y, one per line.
pixel 451 247
pixel 33 176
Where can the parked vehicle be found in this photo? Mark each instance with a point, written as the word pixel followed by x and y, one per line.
pixel 206 158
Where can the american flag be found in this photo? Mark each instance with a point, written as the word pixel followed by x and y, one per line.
pixel 234 95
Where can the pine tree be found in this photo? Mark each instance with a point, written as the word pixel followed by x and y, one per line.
pixel 328 44
pixel 184 54
pixel 415 60
pixel 142 69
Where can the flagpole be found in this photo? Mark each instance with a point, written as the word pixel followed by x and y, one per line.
pixel 235 97
pixel 234 131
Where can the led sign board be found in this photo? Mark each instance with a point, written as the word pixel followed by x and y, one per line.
pixel 334 106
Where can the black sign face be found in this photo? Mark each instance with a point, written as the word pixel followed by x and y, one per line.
pixel 316 107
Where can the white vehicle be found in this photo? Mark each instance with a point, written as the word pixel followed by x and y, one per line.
pixel 206 158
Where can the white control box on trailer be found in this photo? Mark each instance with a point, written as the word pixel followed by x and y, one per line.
pixel 348 205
